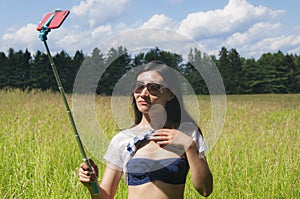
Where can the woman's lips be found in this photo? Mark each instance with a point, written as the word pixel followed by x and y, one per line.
pixel 143 102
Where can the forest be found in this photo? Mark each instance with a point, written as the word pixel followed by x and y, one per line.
pixel 270 73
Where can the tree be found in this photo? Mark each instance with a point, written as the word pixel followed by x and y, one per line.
pixel 90 71
pixel 171 59
pixel 271 73
pixel 4 71
pixel 269 76
pixel 295 75
pixel 40 74
pixel 19 66
pixel 118 63
pixel 76 63
pixel 234 72
pixel 249 82
pixel 223 66
pixel 65 69
pixel 292 74
pixel 192 74
pixel 230 67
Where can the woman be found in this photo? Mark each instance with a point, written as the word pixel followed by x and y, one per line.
pixel 157 152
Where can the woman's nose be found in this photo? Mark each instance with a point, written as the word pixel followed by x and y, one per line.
pixel 144 91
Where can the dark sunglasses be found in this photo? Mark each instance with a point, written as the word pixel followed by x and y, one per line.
pixel 153 88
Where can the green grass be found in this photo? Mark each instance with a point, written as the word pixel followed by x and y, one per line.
pixel 257 155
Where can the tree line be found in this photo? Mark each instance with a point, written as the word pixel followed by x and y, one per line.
pixel 271 73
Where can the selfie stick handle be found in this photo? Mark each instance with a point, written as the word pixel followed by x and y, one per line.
pixel 43 36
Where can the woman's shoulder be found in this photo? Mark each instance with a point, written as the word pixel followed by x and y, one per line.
pixel 189 127
pixel 123 134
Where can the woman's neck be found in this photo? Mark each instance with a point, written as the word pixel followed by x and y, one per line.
pixel 153 122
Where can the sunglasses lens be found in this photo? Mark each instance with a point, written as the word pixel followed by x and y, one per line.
pixel 139 87
pixel 154 89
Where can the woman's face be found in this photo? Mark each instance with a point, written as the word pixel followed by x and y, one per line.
pixel 150 91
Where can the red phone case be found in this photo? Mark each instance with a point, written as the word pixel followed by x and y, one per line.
pixel 58 19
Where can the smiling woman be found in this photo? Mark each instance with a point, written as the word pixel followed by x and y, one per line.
pixel 156 153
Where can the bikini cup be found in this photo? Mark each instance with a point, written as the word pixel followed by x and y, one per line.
pixel 170 170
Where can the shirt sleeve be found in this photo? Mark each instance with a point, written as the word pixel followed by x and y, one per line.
pixel 113 154
pixel 193 131
pixel 199 141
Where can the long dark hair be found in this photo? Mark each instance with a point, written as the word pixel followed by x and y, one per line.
pixel 176 113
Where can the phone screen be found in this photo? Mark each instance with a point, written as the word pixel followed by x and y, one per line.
pixel 58 19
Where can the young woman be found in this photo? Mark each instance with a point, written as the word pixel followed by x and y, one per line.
pixel 155 154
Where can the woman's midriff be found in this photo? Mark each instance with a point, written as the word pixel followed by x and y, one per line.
pixel 157 190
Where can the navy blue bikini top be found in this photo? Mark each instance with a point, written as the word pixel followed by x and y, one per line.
pixel 170 170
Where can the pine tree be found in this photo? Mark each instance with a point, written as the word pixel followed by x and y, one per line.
pixel 118 63
pixel 41 75
pixel 4 71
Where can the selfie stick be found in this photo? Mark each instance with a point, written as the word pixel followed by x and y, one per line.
pixel 43 36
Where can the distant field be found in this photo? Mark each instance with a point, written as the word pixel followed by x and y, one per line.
pixel 257 155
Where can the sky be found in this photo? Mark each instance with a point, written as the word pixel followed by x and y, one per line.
pixel 252 27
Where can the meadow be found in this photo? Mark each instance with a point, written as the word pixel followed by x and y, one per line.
pixel 256 156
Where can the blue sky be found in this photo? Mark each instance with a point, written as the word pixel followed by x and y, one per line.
pixel 252 27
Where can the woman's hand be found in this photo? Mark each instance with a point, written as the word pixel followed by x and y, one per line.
pixel 175 137
pixel 85 176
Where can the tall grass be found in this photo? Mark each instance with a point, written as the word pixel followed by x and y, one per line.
pixel 257 155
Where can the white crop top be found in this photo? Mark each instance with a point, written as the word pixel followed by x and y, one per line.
pixel 118 156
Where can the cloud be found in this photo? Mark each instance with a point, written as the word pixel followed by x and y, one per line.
pixel 236 15
pixel 89 22
pixel 255 33
pixel 250 29
pixel 96 12
pixel 100 30
pixel 24 36
pixel 278 43
pixel 159 21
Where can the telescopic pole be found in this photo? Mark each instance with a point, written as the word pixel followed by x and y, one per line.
pixel 43 36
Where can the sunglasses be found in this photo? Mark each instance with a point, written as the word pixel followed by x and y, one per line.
pixel 152 88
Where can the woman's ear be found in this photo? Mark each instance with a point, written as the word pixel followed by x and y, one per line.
pixel 170 96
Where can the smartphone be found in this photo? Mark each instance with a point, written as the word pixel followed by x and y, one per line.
pixel 58 19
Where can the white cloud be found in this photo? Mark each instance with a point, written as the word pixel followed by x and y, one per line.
pixel 294 50
pixel 24 36
pixel 236 15
pixel 101 30
pixel 96 12
pixel 279 43
pixel 272 44
pixel 158 21
pixel 255 33
pixel 252 30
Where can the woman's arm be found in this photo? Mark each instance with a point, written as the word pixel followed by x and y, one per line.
pixel 109 182
pixel 201 175
pixel 200 172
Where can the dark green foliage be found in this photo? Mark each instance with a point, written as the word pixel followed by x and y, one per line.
pixel 117 64
pixel 4 71
pixel 270 73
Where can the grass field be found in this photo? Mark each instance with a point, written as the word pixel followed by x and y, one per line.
pixel 257 155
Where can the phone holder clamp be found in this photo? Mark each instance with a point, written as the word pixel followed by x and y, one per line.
pixel 45 28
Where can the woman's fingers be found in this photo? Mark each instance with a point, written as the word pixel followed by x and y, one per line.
pixel 84 166
pixel 171 136
pixel 95 167
pixel 163 136
pixel 85 175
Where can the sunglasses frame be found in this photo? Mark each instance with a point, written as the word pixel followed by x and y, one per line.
pixel 155 92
